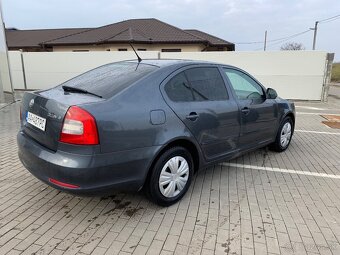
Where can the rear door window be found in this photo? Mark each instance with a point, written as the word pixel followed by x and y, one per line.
pixel 110 79
pixel 207 84
pixel 178 89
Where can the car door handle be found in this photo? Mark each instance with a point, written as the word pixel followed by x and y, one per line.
pixel 245 110
pixel 192 116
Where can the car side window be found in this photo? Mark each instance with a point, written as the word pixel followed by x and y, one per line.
pixel 206 83
pixel 244 86
pixel 178 89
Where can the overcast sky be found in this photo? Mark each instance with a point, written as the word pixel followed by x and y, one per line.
pixel 233 20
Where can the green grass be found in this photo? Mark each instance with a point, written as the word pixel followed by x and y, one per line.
pixel 336 72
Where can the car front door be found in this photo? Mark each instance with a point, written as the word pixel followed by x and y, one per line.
pixel 259 115
pixel 199 97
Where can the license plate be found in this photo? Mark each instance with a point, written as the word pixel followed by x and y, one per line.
pixel 36 121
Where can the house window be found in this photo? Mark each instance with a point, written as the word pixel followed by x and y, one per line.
pixel 122 49
pixel 141 49
pixel 80 50
pixel 171 50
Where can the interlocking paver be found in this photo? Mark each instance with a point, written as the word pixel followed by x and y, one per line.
pixel 227 209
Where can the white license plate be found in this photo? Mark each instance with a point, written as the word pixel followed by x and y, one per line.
pixel 36 120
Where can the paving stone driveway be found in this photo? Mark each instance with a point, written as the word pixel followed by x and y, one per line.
pixel 261 203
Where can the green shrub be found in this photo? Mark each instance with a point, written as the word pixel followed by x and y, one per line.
pixel 336 72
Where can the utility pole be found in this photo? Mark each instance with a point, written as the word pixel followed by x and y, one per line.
pixel 265 41
pixel 315 32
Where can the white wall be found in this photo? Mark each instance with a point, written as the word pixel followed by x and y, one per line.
pixel 295 75
pixel 5 84
pixel 47 69
pixel 16 69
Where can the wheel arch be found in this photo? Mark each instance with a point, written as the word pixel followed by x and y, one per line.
pixel 182 142
pixel 291 115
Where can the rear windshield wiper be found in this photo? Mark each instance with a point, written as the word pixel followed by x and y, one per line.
pixel 73 89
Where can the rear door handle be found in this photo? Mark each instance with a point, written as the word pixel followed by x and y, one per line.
pixel 245 110
pixel 192 116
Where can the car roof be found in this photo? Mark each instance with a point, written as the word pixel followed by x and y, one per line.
pixel 170 62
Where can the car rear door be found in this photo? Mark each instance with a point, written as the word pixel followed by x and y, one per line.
pixel 199 97
pixel 259 115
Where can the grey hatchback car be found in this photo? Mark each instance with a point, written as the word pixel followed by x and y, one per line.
pixel 150 125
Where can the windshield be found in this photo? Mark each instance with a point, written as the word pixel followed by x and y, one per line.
pixel 110 79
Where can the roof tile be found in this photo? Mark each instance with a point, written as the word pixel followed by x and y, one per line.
pixel 128 31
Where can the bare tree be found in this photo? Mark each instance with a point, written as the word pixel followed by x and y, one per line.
pixel 293 46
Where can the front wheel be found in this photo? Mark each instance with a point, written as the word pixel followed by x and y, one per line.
pixel 171 176
pixel 284 135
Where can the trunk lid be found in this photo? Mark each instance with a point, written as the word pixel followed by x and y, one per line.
pixel 48 108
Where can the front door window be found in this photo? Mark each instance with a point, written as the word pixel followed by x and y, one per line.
pixel 244 86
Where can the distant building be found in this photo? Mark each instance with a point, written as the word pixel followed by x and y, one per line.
pixel 144 34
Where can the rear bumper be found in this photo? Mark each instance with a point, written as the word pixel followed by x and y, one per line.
pixel 94 174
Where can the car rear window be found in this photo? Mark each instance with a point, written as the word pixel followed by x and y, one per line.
pixel 110 79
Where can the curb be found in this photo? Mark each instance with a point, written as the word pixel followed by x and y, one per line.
pixel 8 104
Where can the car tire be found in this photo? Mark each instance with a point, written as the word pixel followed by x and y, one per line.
pixel 284 135
pixel 170 177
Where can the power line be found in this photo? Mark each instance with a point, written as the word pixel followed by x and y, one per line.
pixel 272 44
pixel 290 37
pixel 330 18
pixel 285 39
pixel 278 39
pixel 315 29
pixel 248 42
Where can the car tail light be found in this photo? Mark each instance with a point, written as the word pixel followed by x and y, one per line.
pixel 20 113
pixel 79 127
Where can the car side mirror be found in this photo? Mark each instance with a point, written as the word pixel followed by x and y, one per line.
pixel 271 93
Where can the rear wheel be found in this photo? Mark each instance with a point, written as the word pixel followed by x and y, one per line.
pixel 171 176
pixel 283 136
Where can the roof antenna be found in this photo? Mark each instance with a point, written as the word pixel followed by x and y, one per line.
pixel 139 59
